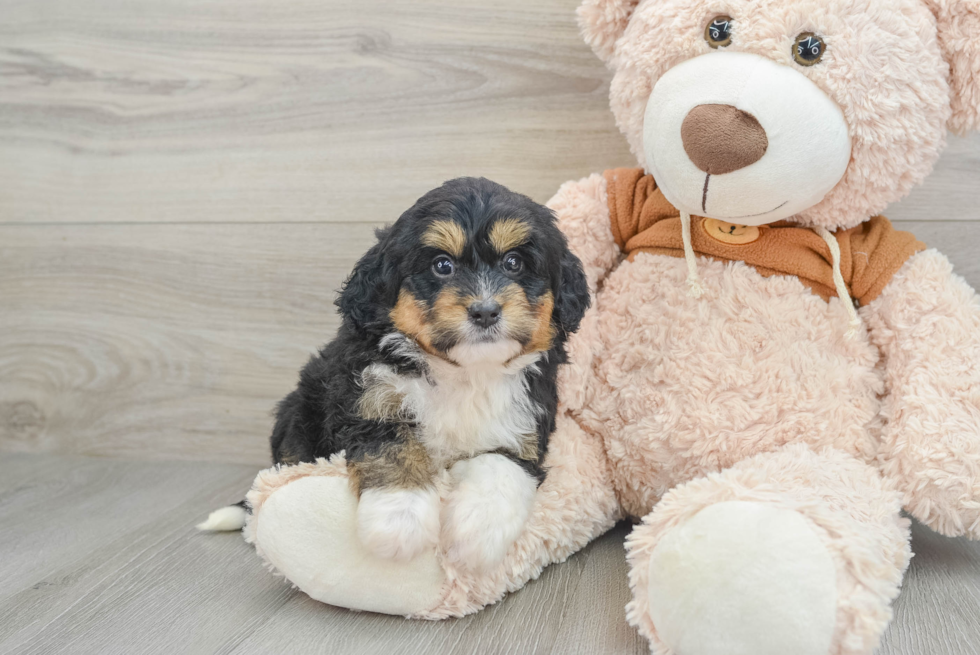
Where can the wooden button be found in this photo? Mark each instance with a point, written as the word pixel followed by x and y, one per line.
pixel 729 233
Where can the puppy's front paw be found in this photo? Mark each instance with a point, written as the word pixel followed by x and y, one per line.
pixel 398 524
pixel 486 511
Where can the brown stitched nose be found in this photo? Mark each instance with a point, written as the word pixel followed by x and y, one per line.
pixel 720 139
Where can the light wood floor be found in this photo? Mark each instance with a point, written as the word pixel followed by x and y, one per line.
pixel 100 556
pixel 183 186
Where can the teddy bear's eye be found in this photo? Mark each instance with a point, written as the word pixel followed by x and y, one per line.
pixel 808 49
pixel 718 33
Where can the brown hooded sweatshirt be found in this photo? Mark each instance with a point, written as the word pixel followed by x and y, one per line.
pixel 643 221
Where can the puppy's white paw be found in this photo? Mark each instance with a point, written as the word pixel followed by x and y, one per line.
pixel 486 511
pixel 398 524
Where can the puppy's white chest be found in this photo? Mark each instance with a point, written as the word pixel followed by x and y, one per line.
pixel 471 414
pixel 460 413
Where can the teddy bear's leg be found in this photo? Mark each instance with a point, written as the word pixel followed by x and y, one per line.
pixel 304 524
pixel 787 552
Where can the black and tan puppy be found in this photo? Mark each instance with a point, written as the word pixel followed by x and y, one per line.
pixel 454 326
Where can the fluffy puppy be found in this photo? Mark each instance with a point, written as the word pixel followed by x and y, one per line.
pixel 454 326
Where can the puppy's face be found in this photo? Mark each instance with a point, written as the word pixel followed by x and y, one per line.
pixel 474 273
pixel 477 291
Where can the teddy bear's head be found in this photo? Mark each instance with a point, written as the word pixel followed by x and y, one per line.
pixel 754 111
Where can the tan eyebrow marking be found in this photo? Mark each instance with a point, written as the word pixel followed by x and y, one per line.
pixel 447 236
pixel 508 234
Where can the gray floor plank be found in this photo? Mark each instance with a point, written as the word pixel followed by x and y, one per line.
pixel 185 594
pixel 74 507
pixel 938 611
pixel 100 556
pixel 110 562
pixel 594 620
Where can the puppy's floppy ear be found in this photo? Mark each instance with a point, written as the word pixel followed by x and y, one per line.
pixel 958 22
pixel 372 288
pixel 602 22
pixel 572 297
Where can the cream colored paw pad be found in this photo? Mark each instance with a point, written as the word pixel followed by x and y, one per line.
pixel 308 531
pixel 743 578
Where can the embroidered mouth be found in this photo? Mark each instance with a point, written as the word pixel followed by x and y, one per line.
pixel 704 205
pixel 735 218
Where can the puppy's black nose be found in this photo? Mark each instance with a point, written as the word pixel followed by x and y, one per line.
pixel 485 313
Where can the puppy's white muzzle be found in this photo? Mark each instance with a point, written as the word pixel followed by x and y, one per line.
pixel 771 145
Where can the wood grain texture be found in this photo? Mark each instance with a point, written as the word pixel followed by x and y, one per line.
pixel 176 341
pixel 952 192
pixel 938 610
pixel 310 110
pixel 161 341
pixel 300 110
pixel 100 557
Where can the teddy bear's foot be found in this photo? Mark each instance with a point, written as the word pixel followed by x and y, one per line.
pixel 787 552
pixel 309 533
pixel 743 578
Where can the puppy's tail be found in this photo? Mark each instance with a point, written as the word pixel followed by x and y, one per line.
pixel 226 519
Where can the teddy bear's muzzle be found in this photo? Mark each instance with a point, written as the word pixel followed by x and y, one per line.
pixel 743 139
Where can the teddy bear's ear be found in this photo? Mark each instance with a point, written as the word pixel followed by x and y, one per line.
pixel 604 21
pixel 959 37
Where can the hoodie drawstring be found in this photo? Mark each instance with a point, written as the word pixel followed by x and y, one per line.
pixel 695 288
pixel 842 293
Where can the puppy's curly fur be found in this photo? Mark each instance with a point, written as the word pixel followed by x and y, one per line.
pixel 454 325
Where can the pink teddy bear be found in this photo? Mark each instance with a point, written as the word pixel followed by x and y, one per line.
pixel 770 372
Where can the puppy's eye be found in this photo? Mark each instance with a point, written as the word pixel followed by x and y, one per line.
pixel 512 263
pixel 443 266
pixel 718 33
pixel 808 49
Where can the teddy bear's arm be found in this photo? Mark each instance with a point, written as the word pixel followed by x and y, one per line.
pixel 582 208
pixel 927 325
pixel 583 215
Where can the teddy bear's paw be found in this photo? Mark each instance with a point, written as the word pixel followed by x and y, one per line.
pixel 743 578
pixel 486 511
pixel 398 524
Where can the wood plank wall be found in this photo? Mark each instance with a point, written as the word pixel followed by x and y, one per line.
pixel 185 183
